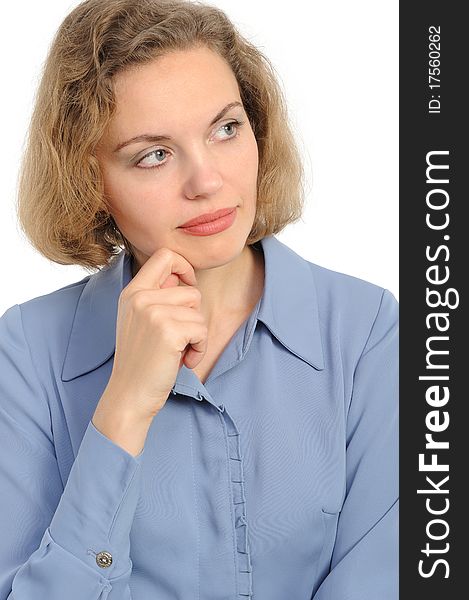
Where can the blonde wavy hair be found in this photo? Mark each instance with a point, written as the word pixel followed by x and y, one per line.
pixel 61 205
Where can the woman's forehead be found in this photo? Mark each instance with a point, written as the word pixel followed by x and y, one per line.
pixel 197 68
pixel 166 97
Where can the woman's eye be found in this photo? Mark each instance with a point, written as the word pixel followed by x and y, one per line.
pixel 156 154
pixel 230 125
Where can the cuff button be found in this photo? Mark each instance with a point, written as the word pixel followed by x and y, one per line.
pixel 103 559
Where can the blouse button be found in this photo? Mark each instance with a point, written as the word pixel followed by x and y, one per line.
pixel 104 559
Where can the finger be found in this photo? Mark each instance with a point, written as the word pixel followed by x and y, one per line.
pixel 194 354
pixel 164 262
pixel 181 295
pixel 194 350
pixel 171 281
pixel 198 341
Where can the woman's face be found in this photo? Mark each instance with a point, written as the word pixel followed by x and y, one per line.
pixel 154 186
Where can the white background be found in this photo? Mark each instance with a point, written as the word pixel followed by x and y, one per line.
pixel 338 65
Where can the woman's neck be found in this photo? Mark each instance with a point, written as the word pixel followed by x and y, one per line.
pixel 231 289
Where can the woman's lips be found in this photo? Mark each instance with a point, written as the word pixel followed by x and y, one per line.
pixel 207 217
pixel 214 226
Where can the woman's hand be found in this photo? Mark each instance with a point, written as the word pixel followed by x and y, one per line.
pixel 159 327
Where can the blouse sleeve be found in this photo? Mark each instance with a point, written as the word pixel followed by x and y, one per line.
pixel 58 541
pixel 364 563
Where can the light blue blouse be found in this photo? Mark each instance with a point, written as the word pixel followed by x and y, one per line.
pixel 277 479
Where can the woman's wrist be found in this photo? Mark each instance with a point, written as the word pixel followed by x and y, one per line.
pixel 129 431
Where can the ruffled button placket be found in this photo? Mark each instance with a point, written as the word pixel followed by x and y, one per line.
pixel 239 501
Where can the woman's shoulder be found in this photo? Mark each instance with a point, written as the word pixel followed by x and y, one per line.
pixel 54 312
pixel 343 307
pixel 333 291
pixel 38 329
pixel 33 336
pixel 351 307
pixel 345 290
pixel 79 316
pixel 46 312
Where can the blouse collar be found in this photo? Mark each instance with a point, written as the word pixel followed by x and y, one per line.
pixel 288 308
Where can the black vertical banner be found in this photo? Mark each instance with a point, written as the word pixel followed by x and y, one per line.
pixel 434 351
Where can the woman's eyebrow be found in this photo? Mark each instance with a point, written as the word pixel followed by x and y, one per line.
pixel 150 137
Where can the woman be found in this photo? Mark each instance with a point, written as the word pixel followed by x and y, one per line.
pixel 207 415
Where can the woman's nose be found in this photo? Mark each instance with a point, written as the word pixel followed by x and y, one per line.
pixel 203 176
